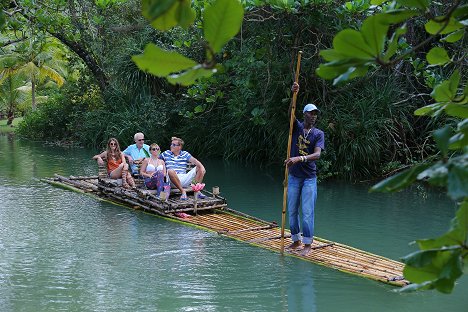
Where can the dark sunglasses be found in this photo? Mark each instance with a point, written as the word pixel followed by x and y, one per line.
pixel 155 149
pixel 140 139
pixel 112 144
pixel 175 144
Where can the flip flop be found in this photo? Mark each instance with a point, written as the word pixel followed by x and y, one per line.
pixel 183 197
pixel 201 196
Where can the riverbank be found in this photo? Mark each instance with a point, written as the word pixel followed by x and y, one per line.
pixel 8 129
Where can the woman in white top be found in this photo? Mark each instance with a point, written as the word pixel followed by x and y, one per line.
pixel 153 170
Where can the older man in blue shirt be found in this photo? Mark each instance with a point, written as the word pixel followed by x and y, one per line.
pixel 137 152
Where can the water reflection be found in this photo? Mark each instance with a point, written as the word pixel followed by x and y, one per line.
pixel 61 250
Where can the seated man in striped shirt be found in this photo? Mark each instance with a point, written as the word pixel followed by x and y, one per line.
pixel 176 165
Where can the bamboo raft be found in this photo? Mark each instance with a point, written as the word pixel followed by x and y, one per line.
pixel 212 213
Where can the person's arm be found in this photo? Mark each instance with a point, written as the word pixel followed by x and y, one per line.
pixel 315 155
pixel 100 158
pixel 143 169
pixel 127 154
pixel 164 166
pixel 294 89
pixel 198 164
pixel 122 156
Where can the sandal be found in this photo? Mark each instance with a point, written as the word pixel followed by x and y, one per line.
pixel 183 197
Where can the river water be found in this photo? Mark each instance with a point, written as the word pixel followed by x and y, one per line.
pixel 64 251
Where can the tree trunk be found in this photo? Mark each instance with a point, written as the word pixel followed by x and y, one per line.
pixel 11 117
pixel 88 59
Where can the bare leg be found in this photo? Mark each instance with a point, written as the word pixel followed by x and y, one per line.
pixel 117 172
pixel 306 250
pixel 130 180
pixel 175 180
pixel 124 176
pixel 295 245
pixel 199 177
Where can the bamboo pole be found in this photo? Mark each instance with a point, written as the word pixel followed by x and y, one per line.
pixel 291 124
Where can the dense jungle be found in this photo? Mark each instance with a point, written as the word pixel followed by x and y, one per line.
pixel 101 93
pixel 389 78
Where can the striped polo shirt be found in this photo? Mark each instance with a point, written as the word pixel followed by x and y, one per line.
pixel 178 163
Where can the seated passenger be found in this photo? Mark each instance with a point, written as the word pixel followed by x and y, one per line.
pixel 117 167
pixel 137 152
pixel 176 165
pixel 153 170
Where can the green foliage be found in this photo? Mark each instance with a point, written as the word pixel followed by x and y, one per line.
pixel 439 263
pixel 221 21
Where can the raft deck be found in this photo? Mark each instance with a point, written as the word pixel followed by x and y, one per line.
pixel 212 213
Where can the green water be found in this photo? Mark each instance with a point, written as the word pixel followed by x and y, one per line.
pixel 64 251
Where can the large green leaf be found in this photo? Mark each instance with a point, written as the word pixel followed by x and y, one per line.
pixel 431 109
pixel 434 27
pixel 152 9
pixel 437 56
pixel 442 137
pixel 351 42
pixel 351 73
pixel 419 4
pixel 457 186
pixel 457 234
pixel 332 55
pixel 454 37
pixel 400 180
pixel 167 20
pixel 447 90
pixel 222 21
pixel 185 15
pixel 374 31
pixel 160 62
pixel 457 110
pixel 189 77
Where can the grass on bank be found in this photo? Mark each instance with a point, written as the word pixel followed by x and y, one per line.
pixel 7 129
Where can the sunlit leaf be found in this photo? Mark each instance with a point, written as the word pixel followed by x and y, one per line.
pixel 377 2
pixel 167 20
pixel 152 9
pixel 454 37
pixel 222 21
pixel 160 62
pixel 400 180
pixel 457 110
pixel 352 43
pixel 434 27
pixel 189 77
pixel 437 56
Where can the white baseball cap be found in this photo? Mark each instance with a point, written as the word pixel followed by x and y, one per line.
pixel 310 107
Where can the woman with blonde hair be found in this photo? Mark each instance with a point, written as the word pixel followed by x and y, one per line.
pixel 153 170
pixel 117 167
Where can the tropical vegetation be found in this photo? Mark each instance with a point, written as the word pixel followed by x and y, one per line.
pixel 218 73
